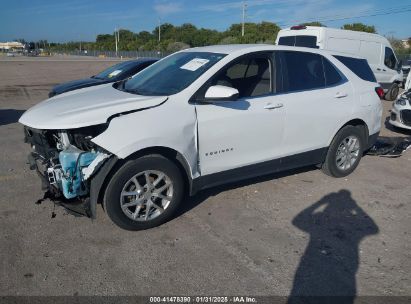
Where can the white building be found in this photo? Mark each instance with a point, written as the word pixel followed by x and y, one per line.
pixel 11 46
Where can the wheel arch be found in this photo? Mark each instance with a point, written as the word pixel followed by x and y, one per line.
pixel 103 177
pixel 356 122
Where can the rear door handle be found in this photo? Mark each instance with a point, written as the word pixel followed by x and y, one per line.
pixel 340 95
pixel 270 106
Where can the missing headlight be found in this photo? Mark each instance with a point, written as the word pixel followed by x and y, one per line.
pixel 81 137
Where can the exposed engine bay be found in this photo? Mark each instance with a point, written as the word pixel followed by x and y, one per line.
pixel 66 161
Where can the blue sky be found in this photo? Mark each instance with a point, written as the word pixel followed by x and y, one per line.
pixel 82 19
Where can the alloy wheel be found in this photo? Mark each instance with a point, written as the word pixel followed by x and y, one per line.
pixel 146 195
pixel 347 153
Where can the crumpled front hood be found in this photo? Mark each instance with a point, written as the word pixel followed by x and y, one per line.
pixel 85 107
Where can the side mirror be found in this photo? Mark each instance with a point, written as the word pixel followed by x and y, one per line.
pixel 221 93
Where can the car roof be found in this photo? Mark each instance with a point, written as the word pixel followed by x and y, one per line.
pixel 247 48
pixel 226 48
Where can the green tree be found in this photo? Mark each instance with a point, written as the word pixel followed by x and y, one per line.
pixel 175 37
pixel 396 43
pixel 360 27
pixel 177 46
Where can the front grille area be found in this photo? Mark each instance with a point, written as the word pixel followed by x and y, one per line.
pixel 406 117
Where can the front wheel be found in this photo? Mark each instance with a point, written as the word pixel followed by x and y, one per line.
pixel 144 193
pixel 345 152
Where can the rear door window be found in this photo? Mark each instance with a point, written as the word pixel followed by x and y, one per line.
pixel 287 40
pixel 306 41
pixel 301 71
pixel 300 40
pixel 359 67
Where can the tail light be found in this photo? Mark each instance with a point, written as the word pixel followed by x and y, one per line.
pixel 298 27
pixel 380 92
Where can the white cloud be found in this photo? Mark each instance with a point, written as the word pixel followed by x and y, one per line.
pixel 317 10
pixel 167 8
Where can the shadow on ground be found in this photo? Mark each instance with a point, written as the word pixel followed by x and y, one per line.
pixel 327 270
pixel 194 201
pixel 9 116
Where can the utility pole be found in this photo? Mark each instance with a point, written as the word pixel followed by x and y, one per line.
pixel 159 30
pixel 244 16
pixel 115 38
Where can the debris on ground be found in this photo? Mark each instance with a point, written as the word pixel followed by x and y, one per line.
pixel 390 146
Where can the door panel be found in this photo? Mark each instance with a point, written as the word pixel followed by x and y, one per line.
pixel 386 72
pixel 312 117
pixel 317 99
pixel 239 133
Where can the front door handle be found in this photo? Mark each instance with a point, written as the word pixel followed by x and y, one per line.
pixel 270 106
pixel 340 95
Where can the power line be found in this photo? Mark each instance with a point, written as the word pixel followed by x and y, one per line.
pixel 371 13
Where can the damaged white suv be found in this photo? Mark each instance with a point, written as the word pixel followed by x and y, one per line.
pixel 199 118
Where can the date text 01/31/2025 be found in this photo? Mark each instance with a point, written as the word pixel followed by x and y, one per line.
pixel 202 299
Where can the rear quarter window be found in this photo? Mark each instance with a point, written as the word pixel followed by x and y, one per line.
pixel 359 67
pixel 332 76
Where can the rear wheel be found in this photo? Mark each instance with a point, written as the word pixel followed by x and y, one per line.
pixel 144 193
pixel 392 93
pixel 345 152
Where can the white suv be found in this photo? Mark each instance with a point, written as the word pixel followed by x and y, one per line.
pixel 199 118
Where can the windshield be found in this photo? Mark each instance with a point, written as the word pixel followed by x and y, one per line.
pixel 112 71
pixel 172 74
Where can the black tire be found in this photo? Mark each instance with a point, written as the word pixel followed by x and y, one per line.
pixel 329 166
pixel 392 93
pixel 114 189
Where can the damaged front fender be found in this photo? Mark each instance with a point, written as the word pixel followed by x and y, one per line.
pixel 98 181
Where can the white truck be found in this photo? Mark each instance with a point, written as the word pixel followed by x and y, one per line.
pixel 375 48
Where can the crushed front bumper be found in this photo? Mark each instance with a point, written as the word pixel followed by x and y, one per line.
pixel 396 117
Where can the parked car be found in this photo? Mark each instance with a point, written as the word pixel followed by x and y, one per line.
pixel 407 84
pixel 401 109
pixel 117 72
pixel 199 118
pixel 375 48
